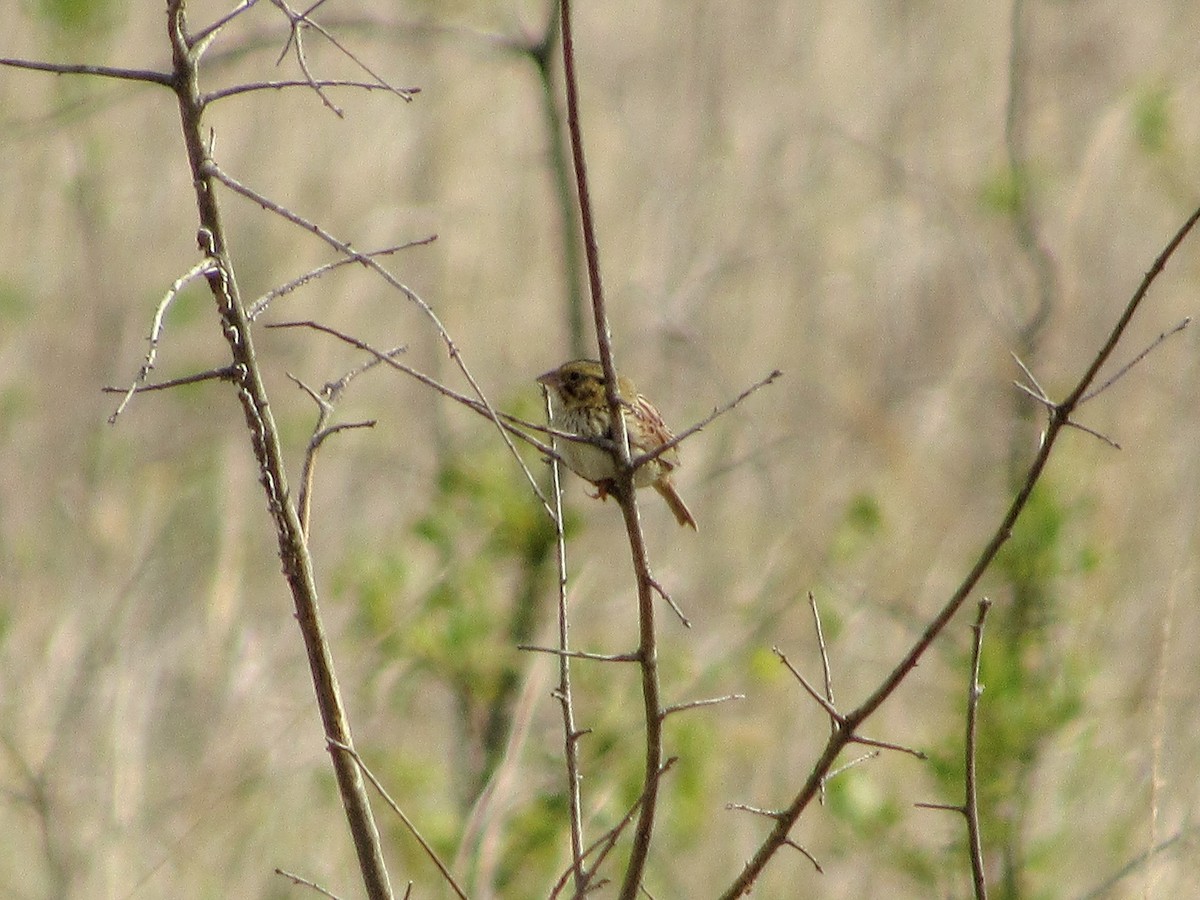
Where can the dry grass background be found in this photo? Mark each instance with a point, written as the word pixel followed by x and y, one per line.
pixel 778 184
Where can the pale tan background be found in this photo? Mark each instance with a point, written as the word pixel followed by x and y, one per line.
pixel 778 185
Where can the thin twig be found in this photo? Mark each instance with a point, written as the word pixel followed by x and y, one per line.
pixel 834 716
pixel 1121 372
pixel 1038 393
pixel 237 89
pixel 662 448
pixel 675 608
pixel 742 807
pixel 826 670
pixel 225 373
pixel 857 761
pixel 698 704
pixel 412 829
pixel 581 654
pixel 205 267
pixel 205 34
pixel 812 859
pixel 304 882
pixel 259 306
pixel 608 840
pixel 887 745
pixel 146 75
pixel 297 22
pixel 295 40
pixel 321 431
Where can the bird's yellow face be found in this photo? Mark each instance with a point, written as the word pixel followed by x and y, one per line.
pixel 578 384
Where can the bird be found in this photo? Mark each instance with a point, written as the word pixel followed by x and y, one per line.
pixel 581 407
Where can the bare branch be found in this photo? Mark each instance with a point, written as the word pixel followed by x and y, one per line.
pixel 1052 407
pixel 946 807
pixel 742 807
pixel 322 430
pixel 1038 392
pixel 812 859
pixel 205 35
pixel 265 442
pixel 1071 423
pixel 608 840
pixel 299 21
pixel 662 592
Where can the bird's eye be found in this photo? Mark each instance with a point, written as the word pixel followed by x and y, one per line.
pixel 572 377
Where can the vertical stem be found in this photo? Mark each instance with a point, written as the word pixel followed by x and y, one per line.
pixel 651 702
pixel 971 803
pixel 570 732
pixel 623 487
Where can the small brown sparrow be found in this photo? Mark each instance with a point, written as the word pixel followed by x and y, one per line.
pixel 581 407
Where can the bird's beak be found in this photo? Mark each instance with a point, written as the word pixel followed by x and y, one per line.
pixel 549 379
